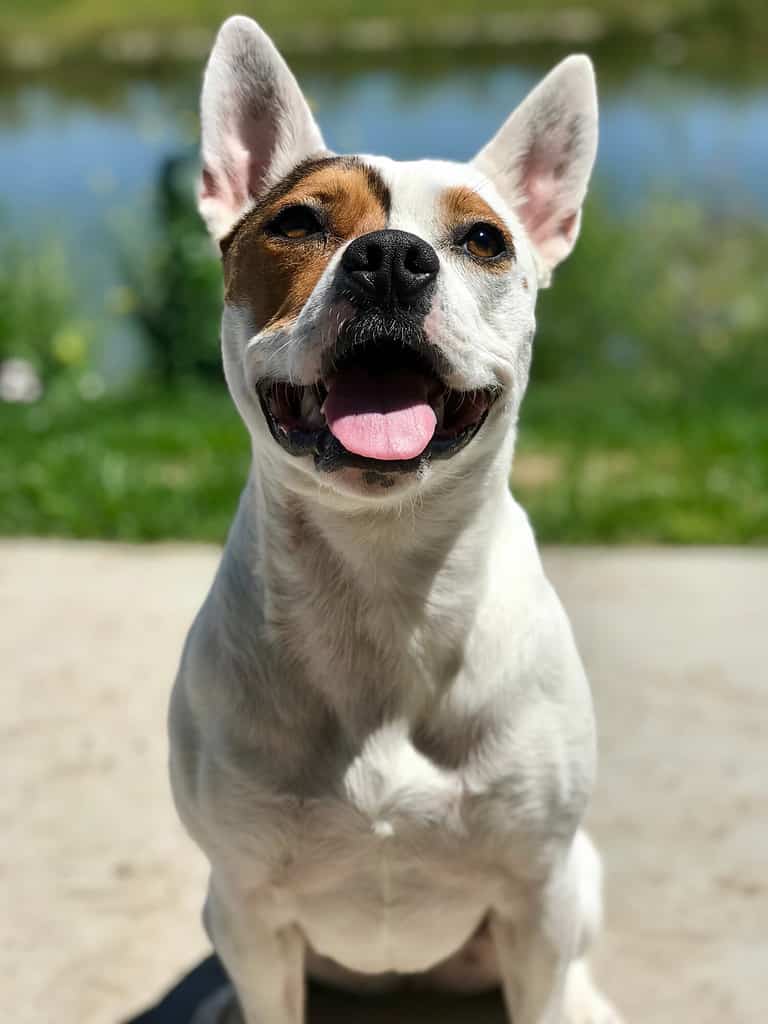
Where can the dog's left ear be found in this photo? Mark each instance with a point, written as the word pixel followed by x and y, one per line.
pixel 541 158
pixel 256 124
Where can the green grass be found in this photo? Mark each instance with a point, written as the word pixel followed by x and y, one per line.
pixel 143 467
pixel 595 463
pixel 79 21
pixel 601 463
pixel 84 16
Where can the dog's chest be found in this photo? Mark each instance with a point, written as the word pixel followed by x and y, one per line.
pixel 389 871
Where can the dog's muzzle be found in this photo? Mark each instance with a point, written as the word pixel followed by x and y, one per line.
pixel 381 402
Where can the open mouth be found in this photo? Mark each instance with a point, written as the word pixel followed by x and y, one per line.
pixel 380 405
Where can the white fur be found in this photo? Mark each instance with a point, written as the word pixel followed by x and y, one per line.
pixel 381 733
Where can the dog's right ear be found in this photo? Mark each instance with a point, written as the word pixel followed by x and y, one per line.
pixel 256 124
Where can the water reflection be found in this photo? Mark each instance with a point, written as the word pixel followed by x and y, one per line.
pixel 76 152
pixel 70 154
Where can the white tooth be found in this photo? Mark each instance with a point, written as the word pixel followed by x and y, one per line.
pixel 317 420
pixel 438 404
pixel 310 408
pixel 307 401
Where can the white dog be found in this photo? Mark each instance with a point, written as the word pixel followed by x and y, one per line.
pixel 382 735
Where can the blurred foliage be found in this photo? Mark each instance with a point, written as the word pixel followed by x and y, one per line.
pixel 84 18
pixel 645 418
pixel 667 299
pixel 173 284
pixel 83 21
pixel 40 324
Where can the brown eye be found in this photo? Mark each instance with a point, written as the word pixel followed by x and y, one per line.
pixel 484 241
pixel 295 222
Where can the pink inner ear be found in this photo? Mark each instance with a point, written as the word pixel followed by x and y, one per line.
pixel 568 226
pixel 226 179
pixel 259 140
pixel 545 210
pixel 209 189
pixel 238 169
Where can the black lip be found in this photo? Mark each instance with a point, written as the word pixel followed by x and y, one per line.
pixel 381 334
pixel 331 455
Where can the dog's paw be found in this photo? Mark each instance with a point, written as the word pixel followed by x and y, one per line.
pixel 220 1008
pixel 583 1003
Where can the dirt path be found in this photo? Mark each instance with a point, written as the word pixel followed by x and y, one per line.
pixel 104 889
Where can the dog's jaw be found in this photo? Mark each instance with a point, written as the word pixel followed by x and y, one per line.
pixel 381 406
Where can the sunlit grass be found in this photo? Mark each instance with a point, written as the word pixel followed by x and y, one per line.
pixel 696 473
pixel 142 467
pixel 90 15
pixel 83 21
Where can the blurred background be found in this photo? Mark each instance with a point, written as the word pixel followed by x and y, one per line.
pixel 645 419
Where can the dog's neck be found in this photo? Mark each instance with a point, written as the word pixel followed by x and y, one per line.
pixel 351 594
pixel 383 550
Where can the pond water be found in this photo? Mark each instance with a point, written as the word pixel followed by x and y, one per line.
pixel 72 156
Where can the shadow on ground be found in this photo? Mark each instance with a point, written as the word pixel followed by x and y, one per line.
pixel 325 1006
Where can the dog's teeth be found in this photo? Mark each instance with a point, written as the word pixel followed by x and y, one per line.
pixel 310 409
pixel 438 405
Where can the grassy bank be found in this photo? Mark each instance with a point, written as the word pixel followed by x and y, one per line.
pixel 84 18
pixel 47 28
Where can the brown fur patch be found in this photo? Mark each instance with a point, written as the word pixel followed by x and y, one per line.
pixel 460 208
pixel 274 276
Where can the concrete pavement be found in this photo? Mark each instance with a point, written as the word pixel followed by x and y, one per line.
pixel 104 889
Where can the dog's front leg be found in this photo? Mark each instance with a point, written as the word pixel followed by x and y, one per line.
pixel 541 957
pixel 533 963
pixel 264 963
pixel 535 949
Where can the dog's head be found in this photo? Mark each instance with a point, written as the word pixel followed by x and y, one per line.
pixel 379 315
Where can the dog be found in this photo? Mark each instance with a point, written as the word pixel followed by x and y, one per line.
pixel 382 736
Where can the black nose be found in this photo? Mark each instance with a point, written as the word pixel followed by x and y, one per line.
pixel 390 268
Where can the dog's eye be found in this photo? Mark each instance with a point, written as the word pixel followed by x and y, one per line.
pixel 295 222
pixel 484 241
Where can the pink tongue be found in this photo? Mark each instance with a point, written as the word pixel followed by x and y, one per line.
pixel 386 416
